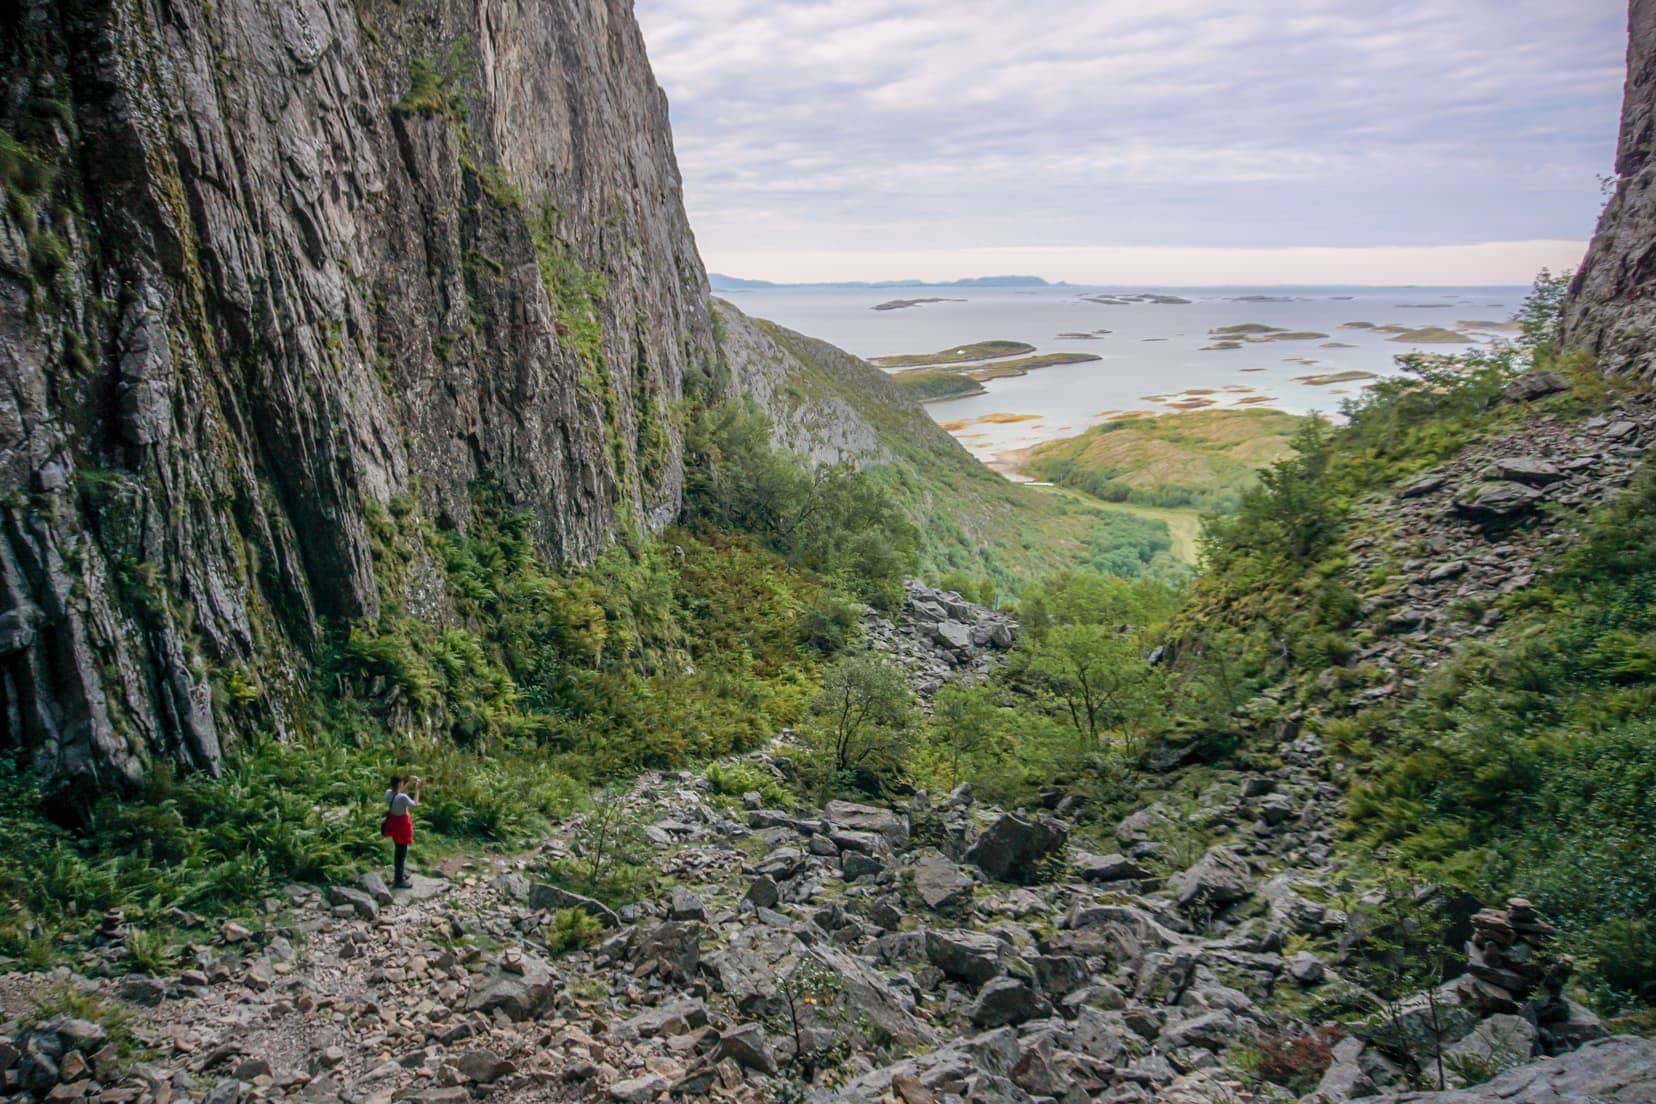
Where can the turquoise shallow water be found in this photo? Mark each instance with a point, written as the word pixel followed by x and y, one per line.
pixel 1153 352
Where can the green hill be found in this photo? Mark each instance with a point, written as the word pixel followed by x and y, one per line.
pixel 830 405
pixel 1203 459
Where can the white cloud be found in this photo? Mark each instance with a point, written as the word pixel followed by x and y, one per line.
pixel 918 127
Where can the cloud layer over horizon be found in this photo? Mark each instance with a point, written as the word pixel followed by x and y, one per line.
pixel 813 133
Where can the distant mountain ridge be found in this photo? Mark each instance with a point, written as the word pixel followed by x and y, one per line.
pixel 721 282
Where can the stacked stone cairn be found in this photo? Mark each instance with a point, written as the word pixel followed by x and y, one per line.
pixel 1511 961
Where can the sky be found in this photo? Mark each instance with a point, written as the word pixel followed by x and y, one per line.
pixel 1119 141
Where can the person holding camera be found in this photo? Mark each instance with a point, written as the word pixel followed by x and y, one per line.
pixel 399 822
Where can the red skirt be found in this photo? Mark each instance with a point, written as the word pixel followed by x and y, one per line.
pixel 400 828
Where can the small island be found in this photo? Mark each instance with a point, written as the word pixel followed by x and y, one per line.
pixel 1432 335
pixel 933 384
pixel 1327 378
pixel 1141 297
pixel 962 354
pixel 905 304
pixel 1228 337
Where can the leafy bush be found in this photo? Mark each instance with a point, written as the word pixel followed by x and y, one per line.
pixel 859 725
pixel 736 779
pixel 571 929
pixel 830 519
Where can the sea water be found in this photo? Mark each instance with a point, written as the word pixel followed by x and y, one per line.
pixel 1152 357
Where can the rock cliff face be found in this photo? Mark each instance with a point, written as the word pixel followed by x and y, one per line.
pixel 268 271
pixel 1611 311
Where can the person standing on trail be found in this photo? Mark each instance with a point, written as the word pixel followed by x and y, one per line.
pixel 399 822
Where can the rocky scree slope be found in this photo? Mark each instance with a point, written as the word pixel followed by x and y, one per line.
pixel 1433 558
pixel 920 969
pixel 937 637
pixel 268 269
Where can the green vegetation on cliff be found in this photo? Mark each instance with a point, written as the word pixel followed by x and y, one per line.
pixel 1529 763
pixel 544 683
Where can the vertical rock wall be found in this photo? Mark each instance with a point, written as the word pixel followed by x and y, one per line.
pixel 1611 311
pixel 270 269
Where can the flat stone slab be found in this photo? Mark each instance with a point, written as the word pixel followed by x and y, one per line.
pixel 425 888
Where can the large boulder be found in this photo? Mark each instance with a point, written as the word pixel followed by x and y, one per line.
pixel 1214 1031
pixel 1010 849
pixel 971 957
pixel 939 882
pixel 848 816
pixel 747 1047
pixel 1217 880
pixel 1006 1000
pixel 1110 868
pixel 749 968
pixel 1525 469
pixel 1420 1024
pixel 521 992
pixel 671 949
pixel 359 900
pixel 1500 500
pixel 1123 932
pixel 1534 385
pixel 1345 1076
pixel 1501 1041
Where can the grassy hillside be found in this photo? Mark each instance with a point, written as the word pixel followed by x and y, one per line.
pixel 972 521
pixel 1203 459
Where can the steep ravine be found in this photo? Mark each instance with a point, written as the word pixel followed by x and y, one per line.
pixel 270 270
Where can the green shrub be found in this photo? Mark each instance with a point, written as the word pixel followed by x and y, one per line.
pixel 572 929
pixel 736 779
pixel 833 520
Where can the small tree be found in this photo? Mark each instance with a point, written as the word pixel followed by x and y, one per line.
pixel 1405 953
pixel 1099 679
pixel 860 720
pixel 964 723
pixel 1542 308
pixel 809 985
pixel 609 861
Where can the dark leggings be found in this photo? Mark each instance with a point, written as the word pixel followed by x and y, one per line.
pixel 402 861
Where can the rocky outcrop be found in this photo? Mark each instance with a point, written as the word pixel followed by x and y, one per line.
pixel 1447 546
pixel 1618 1070
pixel 272 272
pixel 1611 311
pixel 818 421
pixel 938 637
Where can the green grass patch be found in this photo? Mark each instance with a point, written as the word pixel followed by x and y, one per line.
pixel 1201 460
